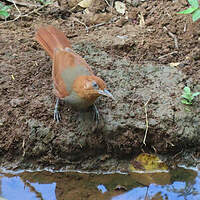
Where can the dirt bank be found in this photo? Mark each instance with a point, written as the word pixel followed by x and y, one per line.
pixel 133 58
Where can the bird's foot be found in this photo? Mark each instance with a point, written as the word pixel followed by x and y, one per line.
pixel 57 116
pixel 96 116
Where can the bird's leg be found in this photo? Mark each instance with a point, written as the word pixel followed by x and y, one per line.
pixel 96 114
pixel 57 116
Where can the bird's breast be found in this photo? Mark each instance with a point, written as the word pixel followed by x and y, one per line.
pixel 76 102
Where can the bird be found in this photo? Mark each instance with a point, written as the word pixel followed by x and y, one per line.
pixel 73 79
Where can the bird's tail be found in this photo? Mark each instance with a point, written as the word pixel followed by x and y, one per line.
pixel 51 38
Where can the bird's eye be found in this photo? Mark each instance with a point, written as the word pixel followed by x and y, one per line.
pixel 94 85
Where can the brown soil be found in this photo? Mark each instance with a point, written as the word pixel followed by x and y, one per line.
pixel 152 33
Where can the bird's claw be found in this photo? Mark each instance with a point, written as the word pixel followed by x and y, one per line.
pixel 57 116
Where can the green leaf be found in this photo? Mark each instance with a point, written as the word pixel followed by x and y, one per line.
pixel 187 96
pixel 194 3
pixel 184 101
pixel 196 15
pixel 4 13
pixel 5 8
pixel 196 94
pixel 187 90
pixel 45 2
pixel 188 11
pixel 48 2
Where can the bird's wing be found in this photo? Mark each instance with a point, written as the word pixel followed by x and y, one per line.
pixel 67 66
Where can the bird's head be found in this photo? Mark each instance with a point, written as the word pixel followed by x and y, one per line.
pixel 90 88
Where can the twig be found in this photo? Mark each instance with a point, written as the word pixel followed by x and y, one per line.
pixel 147 122
pixel 142 22
pixel 167 54
pixel 23 144
pixel 97 25
pixel 86 27
pixel 35 10
pixel 17 10
pixel 16 17
pixel 185 28
pixel 173 36
pixel 194 158
pixel 174 157
pixel 107 3
pixel 155 150
pixel 103 23
pixel 22 3
pixel 25 15
pixel 168 142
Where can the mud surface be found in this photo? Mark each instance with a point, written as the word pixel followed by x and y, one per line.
pixel 135 59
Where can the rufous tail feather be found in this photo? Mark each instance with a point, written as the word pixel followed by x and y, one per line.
pixel 51 38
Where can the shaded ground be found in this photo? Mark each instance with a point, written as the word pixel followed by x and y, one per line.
pixel 132 55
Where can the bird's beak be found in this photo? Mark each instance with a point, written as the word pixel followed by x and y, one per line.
pixel 106 93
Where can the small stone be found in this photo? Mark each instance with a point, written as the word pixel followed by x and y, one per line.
pixel 16 102
pixel 120 187
pixel 150 21
pixel 133 13
pixel 132 114
pixel 121 22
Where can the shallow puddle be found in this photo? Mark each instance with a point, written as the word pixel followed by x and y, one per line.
pixel 177 184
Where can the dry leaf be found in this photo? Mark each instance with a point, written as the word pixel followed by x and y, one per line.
pixel 92 18
pixel 147 162
pixel 85 3
pixel 120 7
pixel 72 3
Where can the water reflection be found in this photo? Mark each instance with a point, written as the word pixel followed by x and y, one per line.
pixel 177 190
pixel 180 184
pixel 15 188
